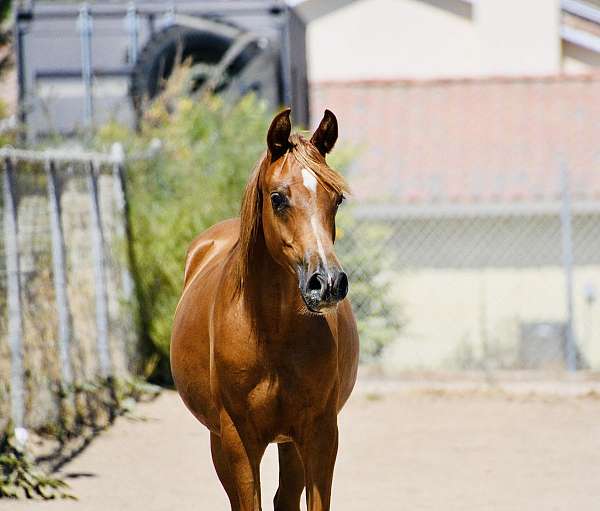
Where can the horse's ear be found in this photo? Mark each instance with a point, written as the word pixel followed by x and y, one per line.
pixel 326 134
pixel 279 134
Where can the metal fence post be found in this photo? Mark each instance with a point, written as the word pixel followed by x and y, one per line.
pixel 169 16
pixel 285 56
pixel 59 274
pixel 99 274
pixel 567 256
pixel 18 49
pixel 121 204
pixel 123 232
pixel 133 30
pixel 13 292
pixel 85 30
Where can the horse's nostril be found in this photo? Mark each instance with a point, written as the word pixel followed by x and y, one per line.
pixel 314 283
pixel 341 286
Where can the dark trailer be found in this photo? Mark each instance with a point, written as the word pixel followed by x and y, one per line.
pixel 80 65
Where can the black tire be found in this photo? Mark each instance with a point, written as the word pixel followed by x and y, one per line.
pixel 157 59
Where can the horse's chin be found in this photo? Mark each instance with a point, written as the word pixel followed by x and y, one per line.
pixel 329 309
pixel 325 310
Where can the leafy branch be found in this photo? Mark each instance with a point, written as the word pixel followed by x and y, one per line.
pixel 19 476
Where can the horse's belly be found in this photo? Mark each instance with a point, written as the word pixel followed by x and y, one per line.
pixel 190 341
pixel 190 357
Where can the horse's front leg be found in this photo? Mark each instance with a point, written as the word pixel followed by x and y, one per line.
pixel 319 450
pixel 243 452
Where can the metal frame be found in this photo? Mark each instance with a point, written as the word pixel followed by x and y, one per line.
pixel 219 17
pixel 581 9
pixel 580 38
pixel 479 210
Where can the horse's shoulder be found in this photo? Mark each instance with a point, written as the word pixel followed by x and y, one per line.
pixel 214 241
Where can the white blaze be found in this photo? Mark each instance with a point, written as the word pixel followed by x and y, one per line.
pixel 310 182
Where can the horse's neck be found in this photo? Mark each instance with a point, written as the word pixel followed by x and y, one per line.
pixel 275 310
pixel 271 292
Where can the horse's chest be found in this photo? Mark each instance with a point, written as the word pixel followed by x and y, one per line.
pixel 264 396
pixel 289 393
pixel 281 379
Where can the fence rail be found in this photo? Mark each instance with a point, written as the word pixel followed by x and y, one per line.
pixel 54 155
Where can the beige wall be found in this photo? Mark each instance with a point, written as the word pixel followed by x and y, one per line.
pixel 378 39
pixel 518 37
pixel 390 39
pixel 452 311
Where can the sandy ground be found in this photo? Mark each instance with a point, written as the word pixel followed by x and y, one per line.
pixel 417 449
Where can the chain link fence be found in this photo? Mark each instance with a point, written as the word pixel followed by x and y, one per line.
pixel 473 237
pixel 64 282
pixel 485 290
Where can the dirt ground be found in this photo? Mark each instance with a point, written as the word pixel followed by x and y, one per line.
pixel 414 449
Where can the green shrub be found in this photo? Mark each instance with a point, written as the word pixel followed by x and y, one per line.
pixel 197 178
pixel 20 477
pixel 6 137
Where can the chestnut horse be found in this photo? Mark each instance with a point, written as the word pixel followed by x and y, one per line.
pixel 264 346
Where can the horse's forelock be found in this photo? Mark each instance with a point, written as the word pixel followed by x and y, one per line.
pixel 309 157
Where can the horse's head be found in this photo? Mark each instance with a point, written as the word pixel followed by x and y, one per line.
pixel 296 197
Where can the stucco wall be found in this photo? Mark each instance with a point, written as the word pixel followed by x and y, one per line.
pixel 381 39
pixel 453 314
pixel 390 38
pixel 518 37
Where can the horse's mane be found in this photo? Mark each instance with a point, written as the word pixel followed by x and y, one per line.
pixel 307 155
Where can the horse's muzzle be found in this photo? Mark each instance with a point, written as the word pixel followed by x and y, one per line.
pixel 322 289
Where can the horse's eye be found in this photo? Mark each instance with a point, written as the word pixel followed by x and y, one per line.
pixel 279 201
pixel 340 199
